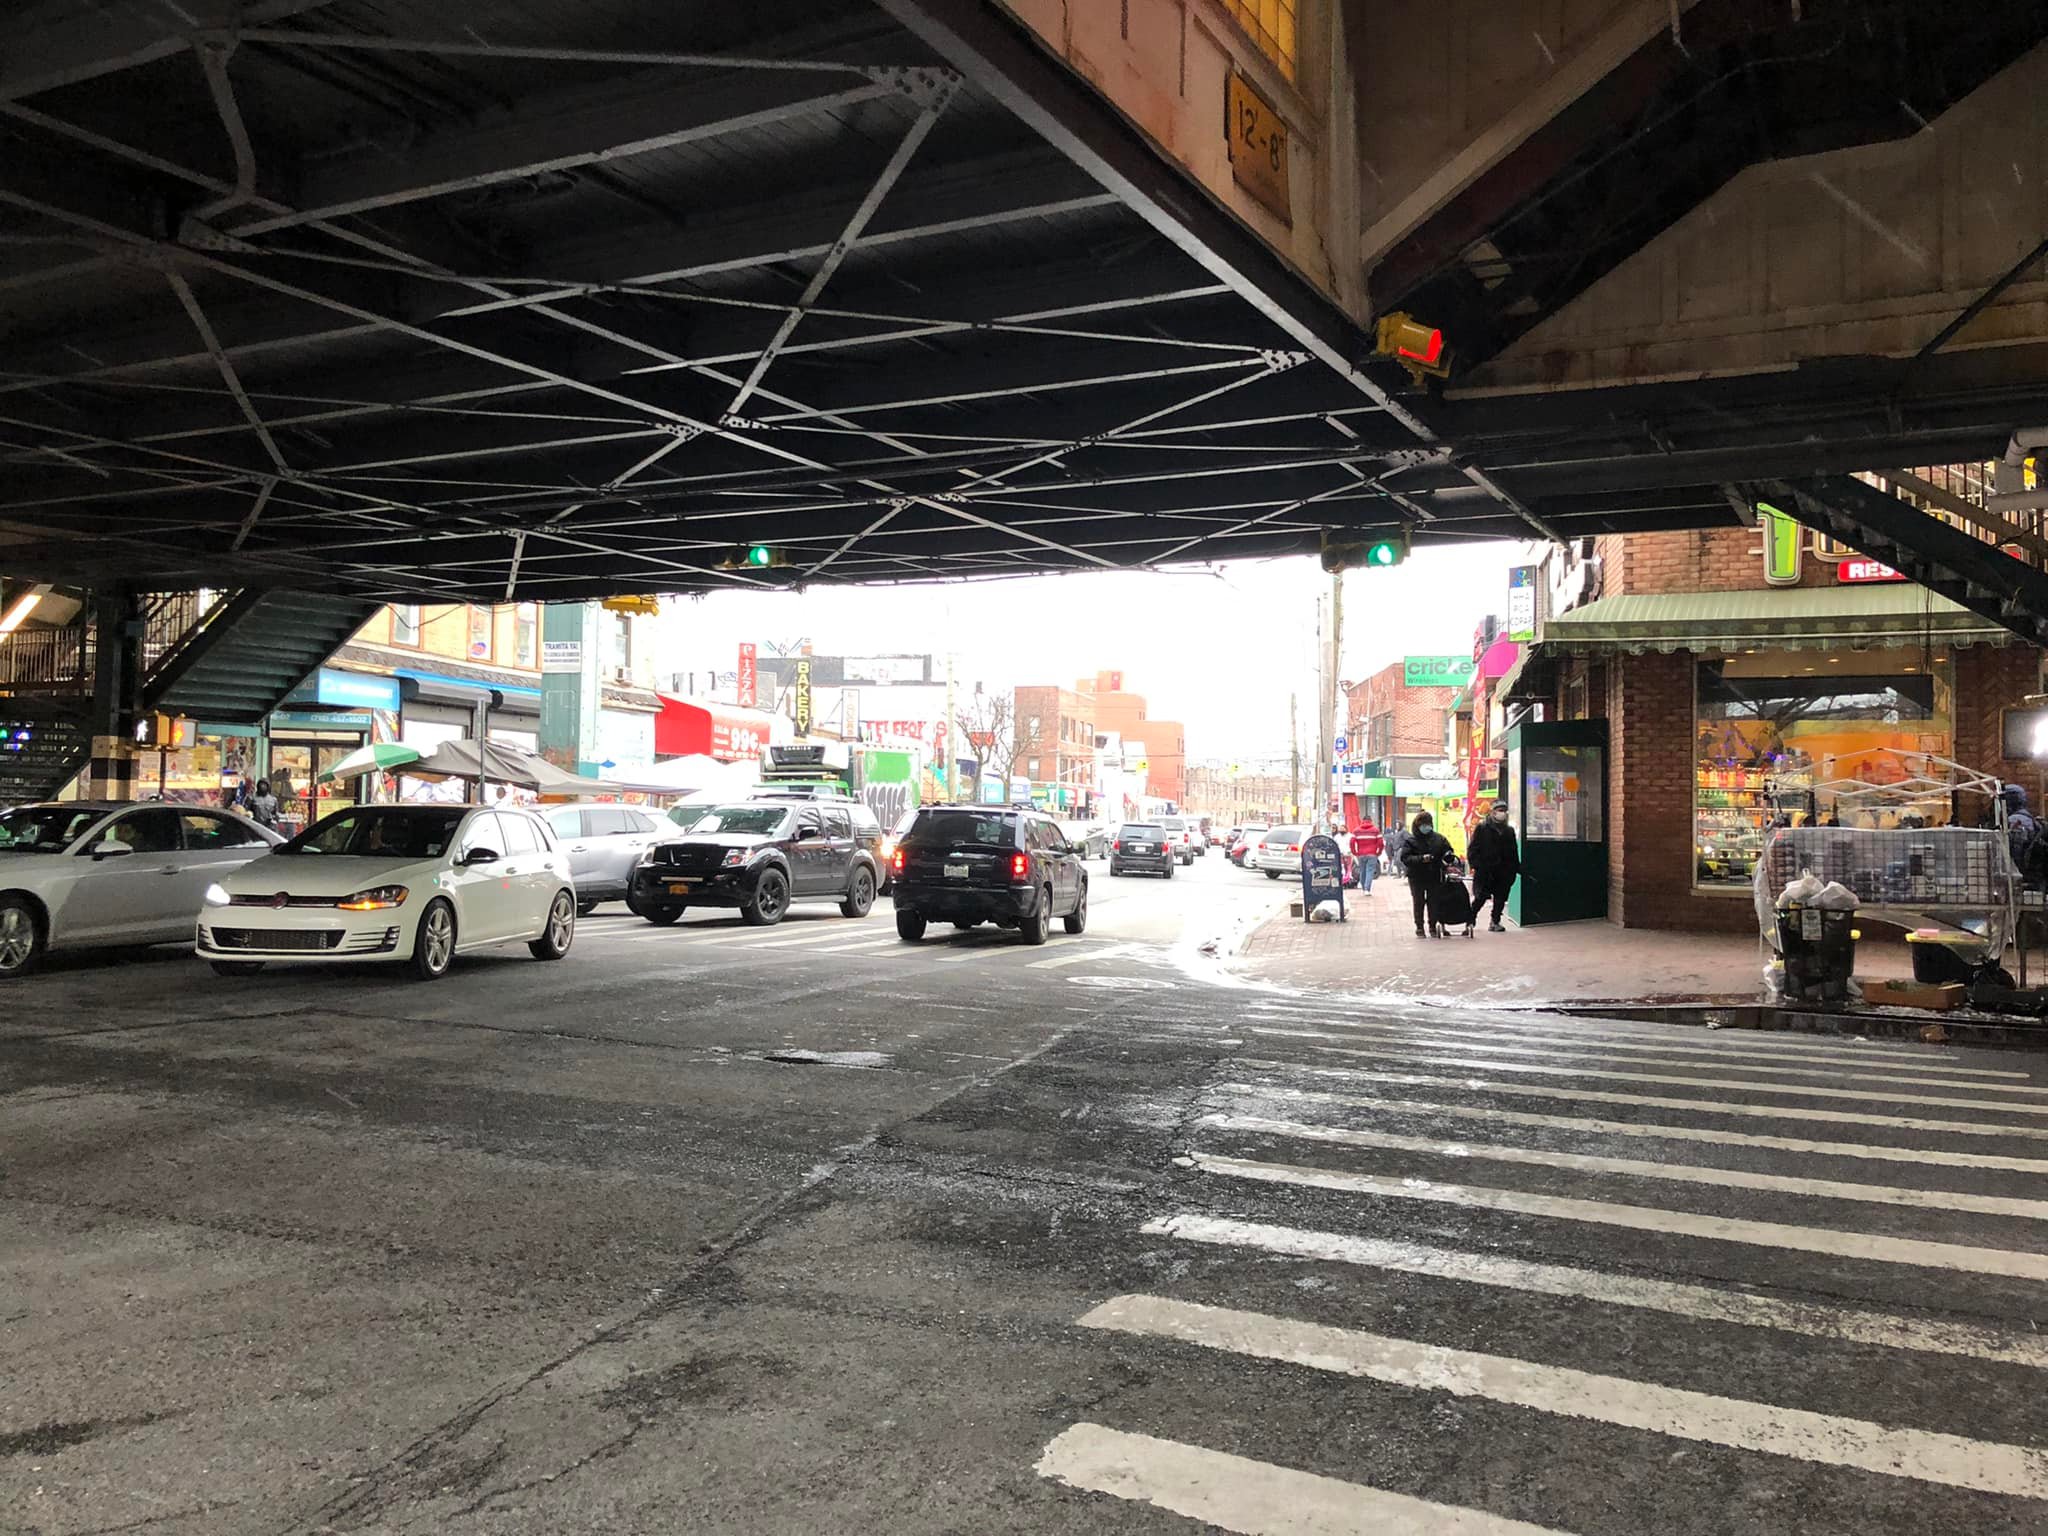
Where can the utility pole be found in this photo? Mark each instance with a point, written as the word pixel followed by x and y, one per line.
pixel 1330 694
pixel 1294 757
pixel 948 765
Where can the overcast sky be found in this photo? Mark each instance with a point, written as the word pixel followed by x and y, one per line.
pixel 1218 649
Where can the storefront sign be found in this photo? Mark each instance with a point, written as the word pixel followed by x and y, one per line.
pixel 346 690
pixel 1322 874
pixel 1436 671
pixel 1522 603
pixel 1428 789
pixel 748 679
pixel 561 655
pixel 886 670
pixel 849 714
pixel 1784 543
pixel 1866 570
pixel 1443 770
pixel 320 719
pixel 803 696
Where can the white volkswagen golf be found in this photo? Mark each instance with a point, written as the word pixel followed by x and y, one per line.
pixel 416 883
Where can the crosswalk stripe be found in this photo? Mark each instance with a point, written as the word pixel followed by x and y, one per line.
pixel 1922 1455
pixel 1649 1131
pixel 1637 1168
pixel 879 941
pixel 1796 1090
pixel 1653 1101
pixel 1101 953
pixel 796 940
pixel 1642 1218
pixel 974 952
pixel 1838 1065
pixel 1752 1042
pixel 1255 1498
pixel 1704 1303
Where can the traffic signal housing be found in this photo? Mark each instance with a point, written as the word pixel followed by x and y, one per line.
pixel 1417 347
pixel 171 733
pixel 646 606
pixel 1375 553
pixel 754 557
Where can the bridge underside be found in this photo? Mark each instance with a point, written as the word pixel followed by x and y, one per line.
pixel 584 299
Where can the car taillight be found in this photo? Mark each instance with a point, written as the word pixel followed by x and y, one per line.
pixel 1294 847
pixel 1117 846
pixel 1020 866
pixel 896 862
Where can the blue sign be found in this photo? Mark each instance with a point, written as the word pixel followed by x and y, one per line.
pixel 347 690
pixel 1322 874
pixel 1343 743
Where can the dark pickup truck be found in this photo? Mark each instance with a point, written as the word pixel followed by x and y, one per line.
pixel 758 856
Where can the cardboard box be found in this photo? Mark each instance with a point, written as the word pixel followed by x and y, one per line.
pixel 1914 994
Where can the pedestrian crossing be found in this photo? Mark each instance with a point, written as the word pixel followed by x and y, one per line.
pixel 1685 1281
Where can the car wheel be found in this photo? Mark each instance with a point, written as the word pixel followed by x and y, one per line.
pixel 1272 874
pixel 1077 920
pixel 555 939
pixel 861 896
pixel 1169 869
pixel 770 900
pixel 663 917
pixel 965 923
pixel 433 947
pixel 235 967
pixel 1037 928
pixel 21 937
pixel 909 926
pixel 585 908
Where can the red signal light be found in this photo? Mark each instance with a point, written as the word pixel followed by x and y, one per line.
pixel 1429 352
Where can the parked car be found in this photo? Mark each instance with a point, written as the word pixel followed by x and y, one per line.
pixel 867 826
pixel 1280 852
pixel 759 856
pixel 419 884
pixel 91 873
pixel 968 864
pixel 1219 837
pixel 604 842
pixel 1243 843
pixel 886 858
pixel 1181 834
pixel 1090 839
pixel 1142 848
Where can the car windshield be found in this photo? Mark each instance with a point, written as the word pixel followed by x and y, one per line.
pixel 1141 829
pixel 746 820
pixel 957 829
pixel 43 828
pixel 380 832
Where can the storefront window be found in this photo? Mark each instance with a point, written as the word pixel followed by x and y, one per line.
pixel 1779 718
pixel 1562 790
pixel 526 635
pixel 405 623
pixel 479 634
pixel 1272 26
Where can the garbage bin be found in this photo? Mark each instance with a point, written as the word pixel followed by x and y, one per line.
pixel 1819 947
pixel 1940 958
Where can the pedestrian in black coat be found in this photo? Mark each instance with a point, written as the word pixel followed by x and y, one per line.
pixel 1496 858
pixel 1423 856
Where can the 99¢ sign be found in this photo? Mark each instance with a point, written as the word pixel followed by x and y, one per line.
pixel 1258 145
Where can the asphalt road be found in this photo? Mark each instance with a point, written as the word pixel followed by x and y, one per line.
pixel 808 1230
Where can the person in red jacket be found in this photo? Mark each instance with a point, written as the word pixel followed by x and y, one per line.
pixel 1368 846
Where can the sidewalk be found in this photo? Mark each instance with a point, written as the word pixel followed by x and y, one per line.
pixel 1376 951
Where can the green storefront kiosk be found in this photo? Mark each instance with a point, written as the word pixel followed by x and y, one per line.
pixel 1557 793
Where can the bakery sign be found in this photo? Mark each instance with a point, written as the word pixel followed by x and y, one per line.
pixel 1861 570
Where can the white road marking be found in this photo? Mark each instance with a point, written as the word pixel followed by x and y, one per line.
pixel 1752 1042
pixel 1644 1218
pixel 1702 1302
pixel 1922 1455
pixel 1254 1498
pixel 1796 1090
pixel 793 940
pixel 974 952
pixel 879 941
pixel 1833 1066
pixel 1084 958
pixel 1637 1168
pixel 1648 1131
pixel 1654 1101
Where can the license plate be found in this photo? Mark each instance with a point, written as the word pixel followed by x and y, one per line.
pixel 681 887
pixel 1141 847
pixel 956 871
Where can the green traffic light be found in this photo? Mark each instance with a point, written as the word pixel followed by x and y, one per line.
pixel 761 555
pixel 1382 554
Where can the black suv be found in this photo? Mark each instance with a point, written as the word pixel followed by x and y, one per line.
pixel 758 856
pixel 969 864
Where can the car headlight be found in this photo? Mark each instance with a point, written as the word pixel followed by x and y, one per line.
pixel 216 896
pixel 735 857
pixel 376 899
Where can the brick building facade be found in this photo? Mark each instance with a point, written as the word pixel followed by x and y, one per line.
pixel 1386 718
pixel 1055 742
pixel 1121 713
pixel 1665 801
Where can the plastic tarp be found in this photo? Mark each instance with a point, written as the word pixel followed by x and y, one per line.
pixel 493 762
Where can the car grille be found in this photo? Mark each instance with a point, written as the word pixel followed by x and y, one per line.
pixel 299 939
pixel 687 858
pixel 289 901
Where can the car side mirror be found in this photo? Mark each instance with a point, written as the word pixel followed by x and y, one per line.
pixel 110 849
pixel 810 828
pixel 480 856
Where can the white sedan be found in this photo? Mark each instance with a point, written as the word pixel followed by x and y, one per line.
pixel 85 873
pixel 414 883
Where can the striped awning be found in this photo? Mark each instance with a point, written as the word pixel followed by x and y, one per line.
pixel 1786 618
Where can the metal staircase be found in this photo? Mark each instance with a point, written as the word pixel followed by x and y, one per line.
pixel 227 657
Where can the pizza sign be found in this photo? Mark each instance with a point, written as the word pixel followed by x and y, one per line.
pixel 1866 570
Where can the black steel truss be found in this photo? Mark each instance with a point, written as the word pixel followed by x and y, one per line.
pixel 576 301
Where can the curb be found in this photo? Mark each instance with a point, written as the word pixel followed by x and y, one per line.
pixel 1875 1024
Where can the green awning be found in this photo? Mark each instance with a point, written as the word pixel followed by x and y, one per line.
pixel 1378 787
pixel 1790 618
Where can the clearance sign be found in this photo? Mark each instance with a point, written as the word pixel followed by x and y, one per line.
pixel 1436 671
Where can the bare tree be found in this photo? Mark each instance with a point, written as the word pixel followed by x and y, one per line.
pixel 987 721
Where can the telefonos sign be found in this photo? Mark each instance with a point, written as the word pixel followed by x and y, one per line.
pixel 1436 671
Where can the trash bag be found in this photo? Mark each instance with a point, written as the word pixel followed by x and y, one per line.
pixel 1326 912
pixel 1834 897
pixel 1803 891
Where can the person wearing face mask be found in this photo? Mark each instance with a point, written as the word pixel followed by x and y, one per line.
pixel 1496 858
pixel 1423 857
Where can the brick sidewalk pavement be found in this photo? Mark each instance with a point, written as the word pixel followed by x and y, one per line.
pixel 1376 951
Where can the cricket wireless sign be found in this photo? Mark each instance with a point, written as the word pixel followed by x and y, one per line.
pixel 1436 671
